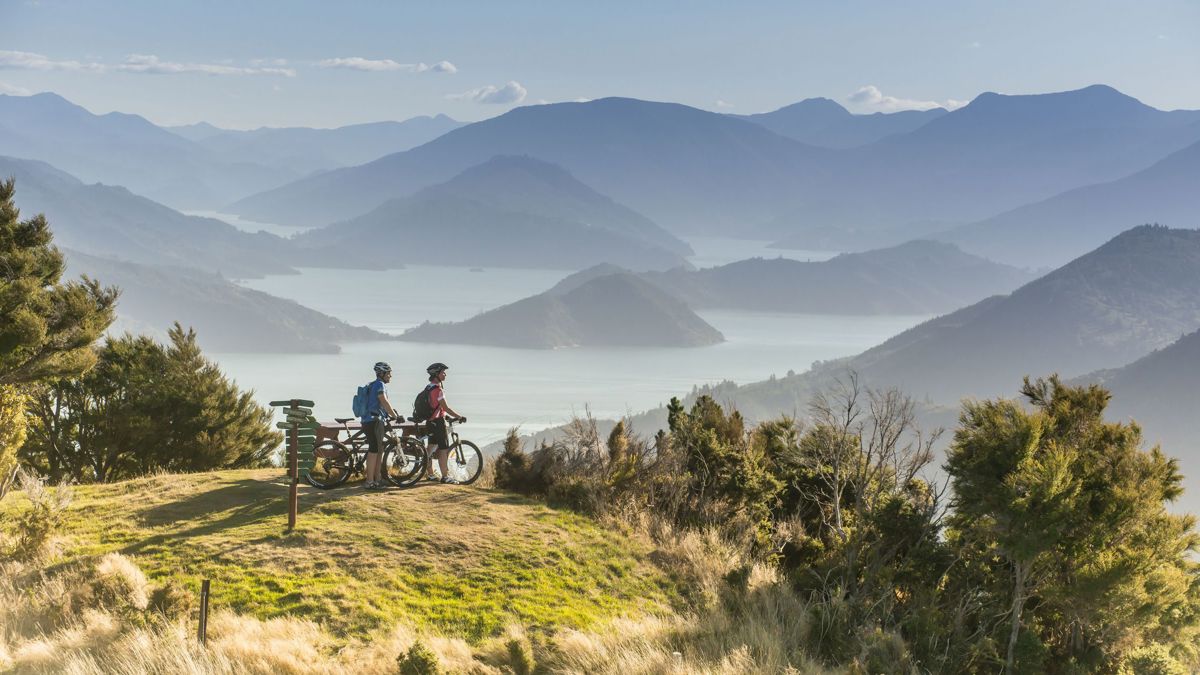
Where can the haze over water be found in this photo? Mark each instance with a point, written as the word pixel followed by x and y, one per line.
pixel 498 388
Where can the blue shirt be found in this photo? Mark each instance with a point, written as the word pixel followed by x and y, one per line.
pixel 375 410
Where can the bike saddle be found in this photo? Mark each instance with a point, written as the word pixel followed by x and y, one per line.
pixel 342 420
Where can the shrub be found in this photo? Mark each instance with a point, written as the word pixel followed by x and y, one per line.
pixel 41 520
pixel 419 660
pixel 512 466
pixel 1152 659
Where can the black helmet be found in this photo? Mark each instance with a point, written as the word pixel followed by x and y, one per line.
pixel 381 367
pixel 435 368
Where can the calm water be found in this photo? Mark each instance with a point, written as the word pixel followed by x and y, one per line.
pixel 499 388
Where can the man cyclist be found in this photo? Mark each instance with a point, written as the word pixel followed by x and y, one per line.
pixel 439 436
pixel 374 423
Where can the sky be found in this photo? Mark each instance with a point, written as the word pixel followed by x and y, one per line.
pixel 297 63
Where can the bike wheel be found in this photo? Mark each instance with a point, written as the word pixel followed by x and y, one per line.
pixel 332 465
pixel 404 465
pixel 465 463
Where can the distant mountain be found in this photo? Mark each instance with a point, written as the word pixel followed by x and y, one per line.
pixel 506 212
pixel 1136 293
pixel 919 277
pixel 612 310
pixel 689 170
pixel 127 150
pixel 227 317
pixel 997 153
pixel 1159 391
pixel 825 123
pixel 111 221
pixel 1055 230
pixel 306 150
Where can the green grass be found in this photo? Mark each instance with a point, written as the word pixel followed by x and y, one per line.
pixel 461 560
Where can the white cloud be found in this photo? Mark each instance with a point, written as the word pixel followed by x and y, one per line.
pixel 31 61
pixel 723 104
pixel 871 99
pixel 149 63
pixel 512 92
pixel 134 63
pixel 386 65
pixel 12 90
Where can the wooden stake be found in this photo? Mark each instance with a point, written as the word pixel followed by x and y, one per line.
pixel 203 630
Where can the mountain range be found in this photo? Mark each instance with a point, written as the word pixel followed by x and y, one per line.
pixel 611 310
pixel 697 172
pixel 127 150
pixel 825 123
pixel 306 150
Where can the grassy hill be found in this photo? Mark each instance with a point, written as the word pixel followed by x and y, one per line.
pixel 467 561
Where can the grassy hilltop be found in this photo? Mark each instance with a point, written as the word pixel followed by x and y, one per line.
pixel 459 560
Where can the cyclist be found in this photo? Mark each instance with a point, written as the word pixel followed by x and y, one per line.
pixel 439 437
pixel 374 423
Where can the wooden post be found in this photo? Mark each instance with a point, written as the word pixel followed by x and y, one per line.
pixel 293 469
pixel 203 630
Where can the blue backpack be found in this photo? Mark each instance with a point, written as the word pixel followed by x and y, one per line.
pixel 361 401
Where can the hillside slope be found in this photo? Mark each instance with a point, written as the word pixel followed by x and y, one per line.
pixel 1074 222
pixel 825 123
pixel 463 560
pixel 227 317
pixel 112 221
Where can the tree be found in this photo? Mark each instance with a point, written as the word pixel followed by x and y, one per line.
pixel 146 407
pixel 47 327
pixel 1070 511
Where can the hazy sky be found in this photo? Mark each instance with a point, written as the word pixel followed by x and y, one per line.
pixel 278 63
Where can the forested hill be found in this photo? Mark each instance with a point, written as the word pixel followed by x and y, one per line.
pixel 609 310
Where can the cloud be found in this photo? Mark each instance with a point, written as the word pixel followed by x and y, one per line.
pixel 975 45
pixel 134 63
pixel 723 104
pixel 871 99
pixel 12 90
pixel 149 63
pixel 512 92
pixel 30 61
pixel 386 65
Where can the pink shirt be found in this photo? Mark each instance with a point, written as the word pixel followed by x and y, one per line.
pixel 435 401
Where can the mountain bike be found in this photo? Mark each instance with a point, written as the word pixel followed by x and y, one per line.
pixel 334 461
pixel 464 463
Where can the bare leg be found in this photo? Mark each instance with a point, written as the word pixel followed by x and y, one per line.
pixel 442 455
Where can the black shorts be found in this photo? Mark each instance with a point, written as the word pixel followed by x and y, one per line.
pixel 374 431
pixel 439 434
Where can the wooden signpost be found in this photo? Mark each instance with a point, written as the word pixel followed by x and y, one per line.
pixel 301 429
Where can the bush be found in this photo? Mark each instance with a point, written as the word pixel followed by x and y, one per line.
pixel 419 660
pixel 1152 659
pixel 41 520
pixel 512 466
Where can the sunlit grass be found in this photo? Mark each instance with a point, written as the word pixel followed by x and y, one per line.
pixel 456 560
